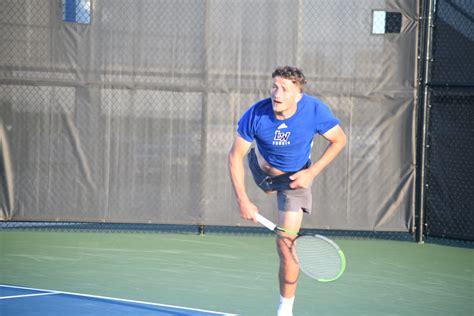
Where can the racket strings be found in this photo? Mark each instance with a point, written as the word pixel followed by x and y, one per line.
pixel 318 258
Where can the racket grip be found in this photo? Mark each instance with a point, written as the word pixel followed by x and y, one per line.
pixel 265 222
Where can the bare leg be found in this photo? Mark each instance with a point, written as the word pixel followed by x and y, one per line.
pixel 289 268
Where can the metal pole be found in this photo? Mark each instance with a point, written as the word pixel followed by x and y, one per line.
pixel 425 65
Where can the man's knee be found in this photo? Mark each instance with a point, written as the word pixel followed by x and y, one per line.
pixel 285 247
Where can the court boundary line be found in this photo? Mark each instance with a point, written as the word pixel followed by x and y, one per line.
pixel 117 299
pixel 26 295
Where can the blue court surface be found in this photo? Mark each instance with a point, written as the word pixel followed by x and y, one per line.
pixel 22 301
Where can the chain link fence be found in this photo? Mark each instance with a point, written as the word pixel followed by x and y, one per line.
pixel 450 130
pixel 451 163
pixel 124 111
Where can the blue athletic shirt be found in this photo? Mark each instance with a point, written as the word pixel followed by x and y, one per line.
pixel 286 144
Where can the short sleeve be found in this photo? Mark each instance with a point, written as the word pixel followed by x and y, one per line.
pixel 325 119
pixel 245 126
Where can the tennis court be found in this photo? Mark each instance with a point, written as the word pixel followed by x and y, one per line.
pixel 116 122
pixel 188 274
pixel 29 301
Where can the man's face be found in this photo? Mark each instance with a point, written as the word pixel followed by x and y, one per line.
pixel 285 95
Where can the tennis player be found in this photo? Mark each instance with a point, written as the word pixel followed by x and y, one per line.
pixel 283 128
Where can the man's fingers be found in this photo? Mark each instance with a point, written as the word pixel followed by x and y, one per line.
pixel 253 218
pixel 294 176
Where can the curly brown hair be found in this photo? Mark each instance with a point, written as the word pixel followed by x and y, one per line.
pixel 291 73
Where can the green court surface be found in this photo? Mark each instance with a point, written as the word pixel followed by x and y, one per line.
pixel 238 273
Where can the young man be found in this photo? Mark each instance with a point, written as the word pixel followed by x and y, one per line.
pixel 283 127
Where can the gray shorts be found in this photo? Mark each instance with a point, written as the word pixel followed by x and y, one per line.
pixel 289 200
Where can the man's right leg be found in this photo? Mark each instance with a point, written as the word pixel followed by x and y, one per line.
pixel 289 268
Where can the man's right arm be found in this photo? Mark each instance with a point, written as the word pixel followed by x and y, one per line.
pixel 237 174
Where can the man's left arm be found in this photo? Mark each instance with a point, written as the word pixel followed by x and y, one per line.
pixel 337 139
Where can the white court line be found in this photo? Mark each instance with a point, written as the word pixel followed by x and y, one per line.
pixel 118 299
pixel 26 295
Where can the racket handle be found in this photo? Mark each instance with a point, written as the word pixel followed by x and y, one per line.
pixel 265 222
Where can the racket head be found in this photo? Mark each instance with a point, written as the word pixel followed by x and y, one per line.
pixel 320 258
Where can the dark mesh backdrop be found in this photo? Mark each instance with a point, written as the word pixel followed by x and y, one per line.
pixel 450 167
pixel 453 43
pixel 451 164
pixel 128 115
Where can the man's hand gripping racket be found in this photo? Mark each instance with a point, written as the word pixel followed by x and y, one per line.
pixel 319 257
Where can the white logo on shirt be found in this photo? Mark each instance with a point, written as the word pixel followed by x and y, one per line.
pixel 281 139
pixel 283 125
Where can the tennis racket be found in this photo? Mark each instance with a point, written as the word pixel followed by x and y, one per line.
pixel 318 257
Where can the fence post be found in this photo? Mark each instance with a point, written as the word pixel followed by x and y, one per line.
pixel 424 65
